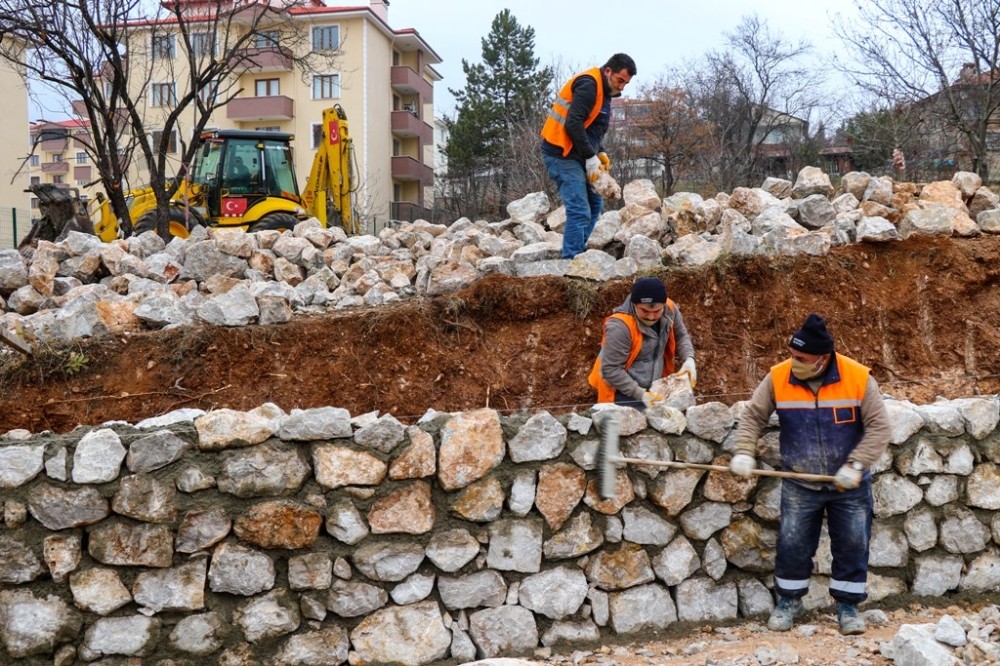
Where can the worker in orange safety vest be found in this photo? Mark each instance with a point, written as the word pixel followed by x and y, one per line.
pixel 572 149
pixel 643 338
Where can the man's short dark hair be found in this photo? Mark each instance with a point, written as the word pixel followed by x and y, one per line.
pixel 620 61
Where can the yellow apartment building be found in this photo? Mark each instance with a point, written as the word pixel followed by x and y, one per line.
pixel 14 174
pixel 384 80
pixel 60 157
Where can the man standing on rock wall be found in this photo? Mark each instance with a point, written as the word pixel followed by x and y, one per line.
pixel 642 338
pixel 571 144
pixel 833 422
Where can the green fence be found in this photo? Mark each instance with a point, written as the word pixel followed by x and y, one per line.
pixel 14 225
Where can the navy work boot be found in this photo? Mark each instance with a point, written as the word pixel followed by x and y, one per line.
pixel 850 620
pixel 784 613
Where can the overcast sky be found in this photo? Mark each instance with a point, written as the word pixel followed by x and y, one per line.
pixel 658 34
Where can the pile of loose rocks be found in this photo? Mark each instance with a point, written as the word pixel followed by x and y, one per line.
pixel 83 287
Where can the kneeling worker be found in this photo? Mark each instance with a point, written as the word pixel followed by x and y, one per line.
pixel 833 422
pixel 642 338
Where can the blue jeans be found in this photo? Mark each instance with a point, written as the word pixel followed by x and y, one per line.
pixel 583 204
pixel 849 519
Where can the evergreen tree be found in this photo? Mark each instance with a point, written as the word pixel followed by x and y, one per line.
pixel 504 95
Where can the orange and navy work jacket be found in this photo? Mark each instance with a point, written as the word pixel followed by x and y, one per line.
pixel 554 129
pixel 605 391
pixel 819 430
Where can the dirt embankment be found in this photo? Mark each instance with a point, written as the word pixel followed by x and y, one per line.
pixel 922 313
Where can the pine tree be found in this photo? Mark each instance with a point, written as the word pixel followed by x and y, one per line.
pixel 504 95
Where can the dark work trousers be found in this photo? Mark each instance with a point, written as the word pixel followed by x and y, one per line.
pixel 849 520
pixel 626 401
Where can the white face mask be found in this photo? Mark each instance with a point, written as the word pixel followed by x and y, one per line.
pixel 804 371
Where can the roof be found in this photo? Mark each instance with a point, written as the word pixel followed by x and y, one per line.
pixel 69 124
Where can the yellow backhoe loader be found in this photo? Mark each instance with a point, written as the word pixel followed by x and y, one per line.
pixel 243 178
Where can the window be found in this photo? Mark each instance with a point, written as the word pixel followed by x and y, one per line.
pixel 34 203
pixel 266 39
pixel 36 160
pixel 266 88
pixel 57 158
pixel 163 47
pixel 267 128
pixel 202 44
pixel 163 94
pixel 326 86
pixel 209 93
pixel 156 135
pixel 326 37
pixel 81 158
pixel 317 135
pixel 36 180
pixel 57 180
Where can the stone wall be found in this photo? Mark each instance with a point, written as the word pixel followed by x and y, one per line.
pixel 300 538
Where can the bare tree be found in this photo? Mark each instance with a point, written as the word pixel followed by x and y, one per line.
pixel 941 56
pixel 756 89
pixel 664 128
pixel 145 74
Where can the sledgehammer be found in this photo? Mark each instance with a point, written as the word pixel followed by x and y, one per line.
pixel 608 458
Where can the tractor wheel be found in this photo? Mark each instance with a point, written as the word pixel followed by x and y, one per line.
pixel 175 221
pixel 276 222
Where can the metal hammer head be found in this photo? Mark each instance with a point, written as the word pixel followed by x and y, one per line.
pixel 609 423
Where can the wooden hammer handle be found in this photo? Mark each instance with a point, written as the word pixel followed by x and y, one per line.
pixel 801 476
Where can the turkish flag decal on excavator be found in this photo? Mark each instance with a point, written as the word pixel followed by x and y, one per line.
pixel 233 206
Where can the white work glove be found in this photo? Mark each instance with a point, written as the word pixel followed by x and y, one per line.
pixel 743 464
pixel 593 168
pixel 847 478
pixel 649 398
pixel 688 368
pixel 605 161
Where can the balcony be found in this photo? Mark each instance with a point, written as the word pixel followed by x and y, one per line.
pixel 408 168
pixel 255 59
pixel 406 81
pixel 52 145
pixel 55 167
pixel 276 107
pixel 409 211
pixel 407 125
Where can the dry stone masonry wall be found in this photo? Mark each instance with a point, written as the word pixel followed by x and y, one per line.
pixel 318 537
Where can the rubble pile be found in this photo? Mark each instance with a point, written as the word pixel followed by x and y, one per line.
pixel 83 287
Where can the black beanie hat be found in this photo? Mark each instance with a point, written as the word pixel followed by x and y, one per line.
pixel 648 290
pixel 812 338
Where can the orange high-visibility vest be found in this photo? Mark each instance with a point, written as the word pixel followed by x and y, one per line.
pixel 605 391
pixel 554 129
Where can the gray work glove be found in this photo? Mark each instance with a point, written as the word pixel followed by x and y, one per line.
pixel 743 464
pixel 847 478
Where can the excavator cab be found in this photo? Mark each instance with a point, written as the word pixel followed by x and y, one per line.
pixel 247 178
